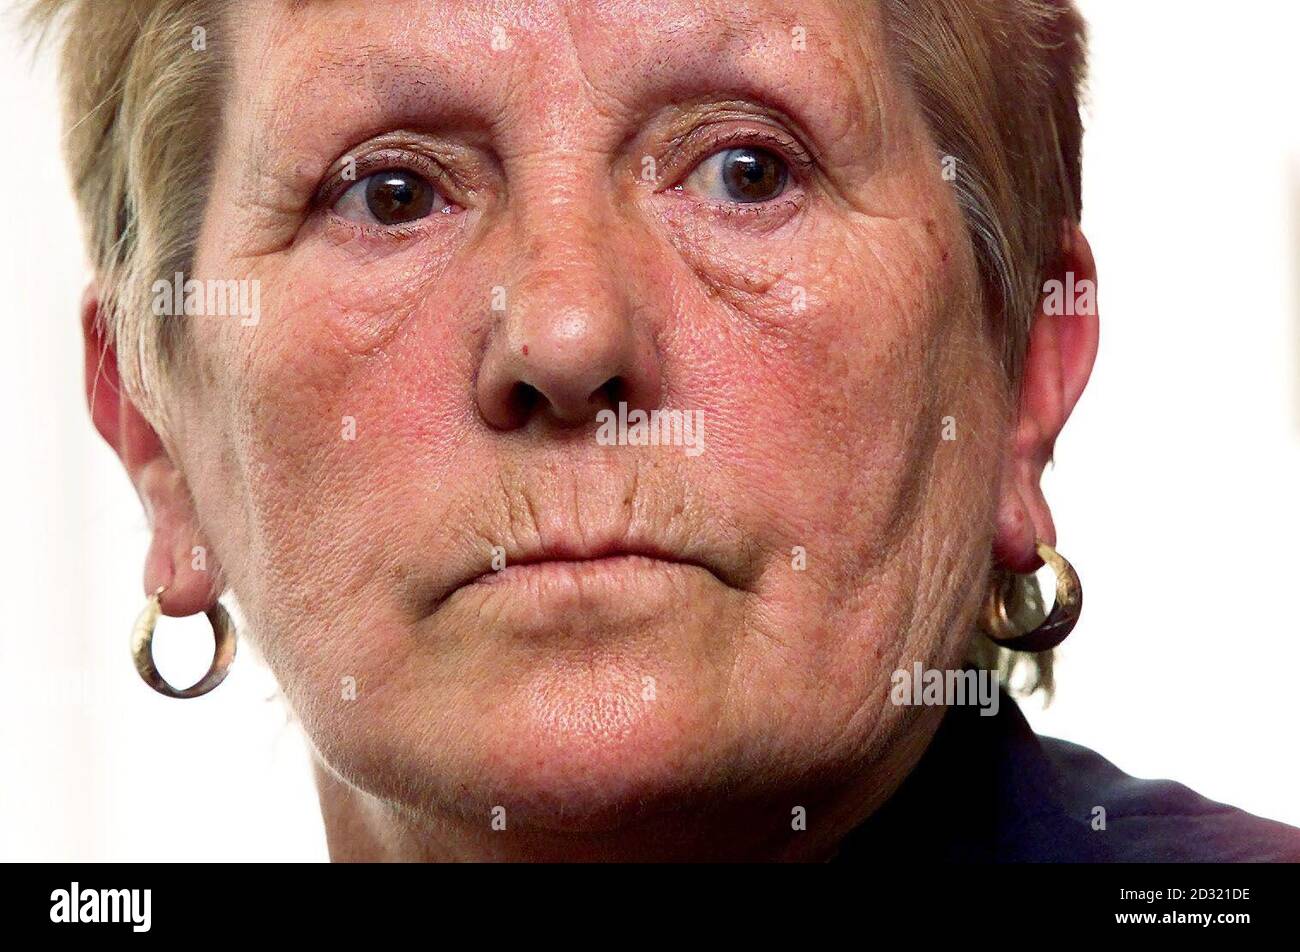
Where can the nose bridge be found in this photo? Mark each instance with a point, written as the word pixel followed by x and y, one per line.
pixel 562 198
pixel 564 239
pixel 570 341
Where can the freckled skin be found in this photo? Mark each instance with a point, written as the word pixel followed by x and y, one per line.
pixel 768 686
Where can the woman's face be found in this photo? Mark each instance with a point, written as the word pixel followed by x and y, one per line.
pixel 714 208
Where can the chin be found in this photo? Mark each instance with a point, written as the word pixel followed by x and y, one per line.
pixel 560 752
pixel 571 709
pixel 594 756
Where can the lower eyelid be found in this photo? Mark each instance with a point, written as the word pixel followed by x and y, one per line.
pixel 344 231
pixel 686 211
pixel 772 208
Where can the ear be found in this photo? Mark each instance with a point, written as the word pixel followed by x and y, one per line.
pixel 1062 348
pixel 190 575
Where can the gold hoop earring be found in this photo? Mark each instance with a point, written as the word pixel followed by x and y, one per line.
pixel 223 633
pixel 1013 614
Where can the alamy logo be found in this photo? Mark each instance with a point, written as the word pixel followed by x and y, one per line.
pixel 947 688
pixel 103 905
pixel 657 428
pixel 1069 297
pixel 211 298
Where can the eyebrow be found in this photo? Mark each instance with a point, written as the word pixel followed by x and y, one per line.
pixel 445 84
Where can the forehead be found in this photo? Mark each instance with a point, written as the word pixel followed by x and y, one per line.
pixel 475 32
pixel 477 58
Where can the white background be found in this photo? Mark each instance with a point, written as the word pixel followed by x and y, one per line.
pixel 1174 490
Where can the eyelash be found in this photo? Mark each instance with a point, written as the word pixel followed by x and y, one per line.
pixel 381 161
pixel 799 161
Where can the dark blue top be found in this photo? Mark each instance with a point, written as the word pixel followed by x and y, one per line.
pixel 990 790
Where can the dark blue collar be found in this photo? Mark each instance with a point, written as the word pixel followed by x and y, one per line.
pixel 985 791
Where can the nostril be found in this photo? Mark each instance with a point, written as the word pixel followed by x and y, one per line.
pixel 522 401
pixel 611 393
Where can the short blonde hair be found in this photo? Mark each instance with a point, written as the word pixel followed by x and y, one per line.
pixel 142 82
pixel 998 82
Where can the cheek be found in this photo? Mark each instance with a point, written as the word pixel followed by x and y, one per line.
pixel 829 353
pixel 341 422
pixel 827 363
pixel 366 352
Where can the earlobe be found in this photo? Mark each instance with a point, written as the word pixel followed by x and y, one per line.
pixel 1062 348
pixel 178 559
pixel 1017 529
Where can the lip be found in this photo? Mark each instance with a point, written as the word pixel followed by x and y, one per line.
pixel 576 560
pixel 560 568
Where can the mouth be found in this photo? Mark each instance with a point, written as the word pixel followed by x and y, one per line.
pixel 560 563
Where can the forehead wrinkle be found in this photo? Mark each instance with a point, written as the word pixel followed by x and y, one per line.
pixel 703 50
pixel 298 121
pixel 675 53
pixel 280 23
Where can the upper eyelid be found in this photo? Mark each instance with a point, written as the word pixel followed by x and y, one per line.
pixel 333 186
pixel 768 137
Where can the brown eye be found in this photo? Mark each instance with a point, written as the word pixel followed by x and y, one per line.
pixel 744 175
pixel 390 197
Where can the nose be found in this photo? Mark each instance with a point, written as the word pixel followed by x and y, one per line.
pixel 568 341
